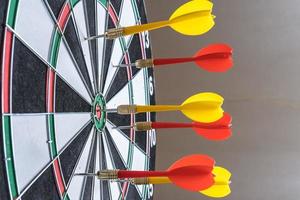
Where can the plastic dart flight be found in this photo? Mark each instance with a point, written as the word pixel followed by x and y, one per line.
pixel 192 18
pixel 192 173
pixel 202 107
pixel 220 188
pixel 212 58
pixel 218 130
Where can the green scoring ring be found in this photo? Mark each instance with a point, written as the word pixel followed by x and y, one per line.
pixel 98 112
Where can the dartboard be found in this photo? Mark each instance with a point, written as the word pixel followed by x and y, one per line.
pixel 55 90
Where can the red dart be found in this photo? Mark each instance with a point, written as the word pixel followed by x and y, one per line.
pixel 218 130
pixel 212 58
pixel 193 173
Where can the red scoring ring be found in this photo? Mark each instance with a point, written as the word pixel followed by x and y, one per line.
pixel 98 112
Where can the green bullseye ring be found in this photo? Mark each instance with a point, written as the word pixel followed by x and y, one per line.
pixel 98 112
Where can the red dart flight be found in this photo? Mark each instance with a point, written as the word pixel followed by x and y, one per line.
pixel 212 58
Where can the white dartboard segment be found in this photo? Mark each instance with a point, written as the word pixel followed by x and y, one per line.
pixel 138 85
pixel 67 69
pixel 101 20
pixel 68 125
pixel 97 191
pixel 139 163
pixel 33 19
pixel 127 17
pixel 31 153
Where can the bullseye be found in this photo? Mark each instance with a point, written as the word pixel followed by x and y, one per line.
pixel 98 112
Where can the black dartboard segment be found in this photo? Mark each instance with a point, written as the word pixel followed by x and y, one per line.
pixel 52 81
pixel 56 6
pixel 87 191
pixel 28 81
pixel 43 188
pixel 67 100
pixel 72 153
pixel 134 49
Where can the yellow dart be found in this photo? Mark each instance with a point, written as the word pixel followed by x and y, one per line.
pixel 220 188
pixel 203 107
pixel 192 18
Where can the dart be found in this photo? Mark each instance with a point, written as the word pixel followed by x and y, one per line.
pixel 192 173
pixel 218 130
pixel 219 189
pixel 202 107
pixel 212 58
pixel 192 18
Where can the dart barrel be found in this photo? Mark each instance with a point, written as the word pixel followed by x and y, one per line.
pixel 144 63
pixel 110 34
pixel 114 33
pixel 126 109
pixel 108 174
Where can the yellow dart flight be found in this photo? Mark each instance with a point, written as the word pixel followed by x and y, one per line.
pixel 221 187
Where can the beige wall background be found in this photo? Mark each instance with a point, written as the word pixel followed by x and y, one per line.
pixel 261 92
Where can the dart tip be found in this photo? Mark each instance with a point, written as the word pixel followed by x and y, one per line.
pixel 122 127
pixel 124 65
pixel 95 37
pixel 85 174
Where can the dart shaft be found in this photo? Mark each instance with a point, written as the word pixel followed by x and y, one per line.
pixel 130 30
pixel 167 61
pixel 150 180
pixel 157 108
pixel 210 125
pixel 136 174
pixel 160 125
